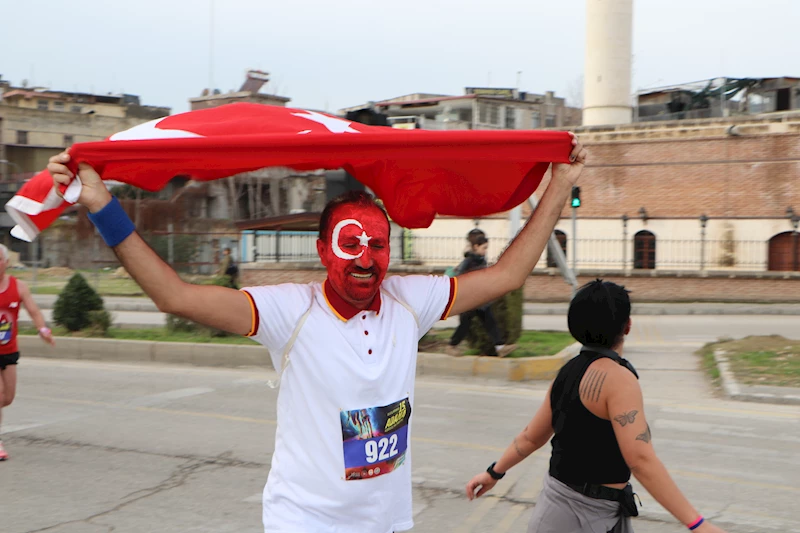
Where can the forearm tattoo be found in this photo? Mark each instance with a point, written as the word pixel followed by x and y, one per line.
pixel 626 418
pixel 646 436
pixel 592 385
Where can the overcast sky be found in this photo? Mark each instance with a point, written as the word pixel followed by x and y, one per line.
pixel 328 54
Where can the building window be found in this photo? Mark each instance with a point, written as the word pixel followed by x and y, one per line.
pixel 536 120
pixel 784 252
pixel 644 250
pixel 483 113
pixel 42 105
pixel 511 118
pixel 562 240
pixel 494 114
pixel 68 141
pixel 550 121
pixel 75 109
pixel 58 106
pixel 22 137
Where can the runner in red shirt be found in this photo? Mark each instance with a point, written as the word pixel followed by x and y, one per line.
pixel 12 293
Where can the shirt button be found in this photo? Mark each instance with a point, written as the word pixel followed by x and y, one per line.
pixel 370 352
pixel 363 317
pixel 366 333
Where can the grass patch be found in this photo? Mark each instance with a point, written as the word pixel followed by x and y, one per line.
pixel 763 360
pixel 147 334
pixel 708 362
pixel 531 343
pixel 105 282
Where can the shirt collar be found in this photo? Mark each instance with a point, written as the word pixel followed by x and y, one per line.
pixel 344 310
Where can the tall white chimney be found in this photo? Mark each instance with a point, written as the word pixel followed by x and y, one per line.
pixel 607 74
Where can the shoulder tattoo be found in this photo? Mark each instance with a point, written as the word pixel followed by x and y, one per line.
pixel 592 385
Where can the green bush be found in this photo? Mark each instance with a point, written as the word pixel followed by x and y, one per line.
pixel 508 314
pixel 100 322
pixel 74 304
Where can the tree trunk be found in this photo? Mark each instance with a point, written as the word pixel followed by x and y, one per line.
pixel 234 203
pixel 251 196
pixel 259 201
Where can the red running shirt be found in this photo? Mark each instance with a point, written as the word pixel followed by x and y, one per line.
pixel 9 311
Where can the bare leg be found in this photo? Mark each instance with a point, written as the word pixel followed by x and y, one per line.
pixel 8 388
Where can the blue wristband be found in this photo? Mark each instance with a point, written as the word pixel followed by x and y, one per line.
pixel 113 223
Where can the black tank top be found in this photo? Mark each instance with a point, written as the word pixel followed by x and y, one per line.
pixel 585 449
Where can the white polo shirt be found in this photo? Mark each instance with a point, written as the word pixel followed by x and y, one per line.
pixel 342 460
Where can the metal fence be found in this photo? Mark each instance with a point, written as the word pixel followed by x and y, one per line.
pixel 591 254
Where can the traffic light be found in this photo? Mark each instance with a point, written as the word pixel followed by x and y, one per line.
pixel 576 196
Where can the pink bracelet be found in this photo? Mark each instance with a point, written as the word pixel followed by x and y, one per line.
pixel 44 331
pixel 697 523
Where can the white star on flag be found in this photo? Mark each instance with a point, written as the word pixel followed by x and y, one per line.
pixel 334 125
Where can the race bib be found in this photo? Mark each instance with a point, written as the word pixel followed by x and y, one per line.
pixel 5 330
pixel 375 439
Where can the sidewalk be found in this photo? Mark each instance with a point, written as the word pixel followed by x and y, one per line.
pixel 133 304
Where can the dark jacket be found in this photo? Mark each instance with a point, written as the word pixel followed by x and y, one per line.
pixel 472 261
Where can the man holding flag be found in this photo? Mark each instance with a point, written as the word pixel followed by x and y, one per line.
pixel 345 349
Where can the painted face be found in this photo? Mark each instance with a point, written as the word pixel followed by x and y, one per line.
pixel 356 252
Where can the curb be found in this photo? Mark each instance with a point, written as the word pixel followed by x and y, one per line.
pixel 511 369
pixel 735 391
pixel 237 356
pixel 196 354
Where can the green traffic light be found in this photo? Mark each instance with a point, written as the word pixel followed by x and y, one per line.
pixel 576 202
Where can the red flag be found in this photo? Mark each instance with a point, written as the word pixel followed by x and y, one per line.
pixel 416 173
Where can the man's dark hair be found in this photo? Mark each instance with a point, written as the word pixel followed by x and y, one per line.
pixel 599 313
pixel 357 198
pixel 477 237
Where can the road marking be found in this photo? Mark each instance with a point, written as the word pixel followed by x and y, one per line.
pixel 734 480
pixel 508 521
pixel 264 421
pixel 453 444
pixel 490 501
pixel 154 399
pixel 692 408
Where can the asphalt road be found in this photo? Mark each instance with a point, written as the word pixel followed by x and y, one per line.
pixel 98 447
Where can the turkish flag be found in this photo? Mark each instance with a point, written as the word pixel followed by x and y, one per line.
pixel 418 174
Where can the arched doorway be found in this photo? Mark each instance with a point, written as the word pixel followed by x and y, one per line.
pixel 562 240
pixel 644 250
pixel 784 251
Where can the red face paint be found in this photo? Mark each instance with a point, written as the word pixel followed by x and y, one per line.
pixel 356 252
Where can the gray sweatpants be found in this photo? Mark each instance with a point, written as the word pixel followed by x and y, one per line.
pixel 559 509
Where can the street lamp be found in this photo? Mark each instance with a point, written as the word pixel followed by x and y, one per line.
pixel 624 241
pixel 703 222
pixel 643 214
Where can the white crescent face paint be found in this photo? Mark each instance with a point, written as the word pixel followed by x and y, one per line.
pixel 337 250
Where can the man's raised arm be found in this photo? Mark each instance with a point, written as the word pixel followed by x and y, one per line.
pixel 515 265
pixel 218 307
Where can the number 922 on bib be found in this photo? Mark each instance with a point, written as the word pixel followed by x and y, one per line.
pixel 375 439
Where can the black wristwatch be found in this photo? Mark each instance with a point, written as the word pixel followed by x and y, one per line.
pixel 495 475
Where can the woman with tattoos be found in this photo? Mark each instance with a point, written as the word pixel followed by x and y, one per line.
pixel 594 413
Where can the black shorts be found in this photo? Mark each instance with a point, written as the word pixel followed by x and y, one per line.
pixel 8 359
